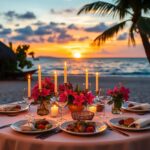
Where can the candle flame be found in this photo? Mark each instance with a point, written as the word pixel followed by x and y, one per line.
pixel 65 63
pixel 29 76
pixel 39 66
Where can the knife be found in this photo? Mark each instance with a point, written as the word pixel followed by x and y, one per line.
pixel 5 126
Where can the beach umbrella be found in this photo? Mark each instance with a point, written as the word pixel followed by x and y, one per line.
pixel 6 53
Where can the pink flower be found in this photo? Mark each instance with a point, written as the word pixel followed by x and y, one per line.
pixel 47 89
pixel 119 91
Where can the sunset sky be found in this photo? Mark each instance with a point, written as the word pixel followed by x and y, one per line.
pixel 52 28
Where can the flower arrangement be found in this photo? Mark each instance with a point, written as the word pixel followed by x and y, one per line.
pixel 76 97
pixel 119 94
pixel 46 92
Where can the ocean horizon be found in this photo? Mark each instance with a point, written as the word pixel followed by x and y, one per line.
pixel 124 67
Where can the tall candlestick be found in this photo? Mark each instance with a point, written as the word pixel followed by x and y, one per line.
pixel 39 77
pixel 29 85
pixel 55 82
pixel 65 72
pixel 86 79
pixel 97 76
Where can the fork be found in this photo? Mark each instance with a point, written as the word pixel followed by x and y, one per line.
pixel 116 130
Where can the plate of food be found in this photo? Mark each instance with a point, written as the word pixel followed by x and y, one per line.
pixel 83 127
pixel 130 123
pixel 136 107
pixel 13 108
pixel 36 126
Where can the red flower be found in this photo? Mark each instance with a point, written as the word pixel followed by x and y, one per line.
pixel 47 89
pixel 119 91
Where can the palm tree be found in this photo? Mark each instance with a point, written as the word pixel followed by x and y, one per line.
pixel 134 10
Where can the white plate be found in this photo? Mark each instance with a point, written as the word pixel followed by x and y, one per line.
pixel 16 127
pixel 100 128
pixel 24 107
pixel 125 107
pixel 114 123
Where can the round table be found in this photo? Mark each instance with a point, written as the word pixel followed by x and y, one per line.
pixel 109 140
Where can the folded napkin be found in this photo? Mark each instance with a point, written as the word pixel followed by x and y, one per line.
pixel 140 123
pixel 143 106
pixel 28 127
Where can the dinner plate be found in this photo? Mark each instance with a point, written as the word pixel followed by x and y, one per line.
pixel 24 107
pixel 17 127
pixel 125 107
pixel 114 123
pixel 100 128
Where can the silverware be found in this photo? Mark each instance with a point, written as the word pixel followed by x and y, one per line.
pixel 116 130
pixel 5 126
pixel 47 134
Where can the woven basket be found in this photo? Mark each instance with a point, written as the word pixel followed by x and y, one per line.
pixel 83 115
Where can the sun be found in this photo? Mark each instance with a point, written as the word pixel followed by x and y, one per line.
pixel 77 55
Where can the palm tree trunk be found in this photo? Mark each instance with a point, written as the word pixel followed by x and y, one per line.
pixel 146 45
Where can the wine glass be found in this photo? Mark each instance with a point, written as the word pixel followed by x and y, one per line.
pixel 61 105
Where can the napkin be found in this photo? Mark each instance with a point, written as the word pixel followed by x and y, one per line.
pixel 143 106
pixel 140 123
pixel 27 127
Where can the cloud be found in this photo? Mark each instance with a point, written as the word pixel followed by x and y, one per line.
pixel 19 38
pixel 81 39
pixel 64 11
pixel 5 31
pixel 122 36
pixel 72 26
pixel 10 15
pixel 42 31
pixel 98 28
pixel 39 23
pixel 25 31
pixel 1 26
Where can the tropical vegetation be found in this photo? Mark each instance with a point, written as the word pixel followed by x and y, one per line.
pixel 134 11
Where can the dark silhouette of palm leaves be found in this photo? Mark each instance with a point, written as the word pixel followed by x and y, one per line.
pixel 109 33
pixel 121 8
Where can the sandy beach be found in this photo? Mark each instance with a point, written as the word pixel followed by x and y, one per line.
pixel 11 91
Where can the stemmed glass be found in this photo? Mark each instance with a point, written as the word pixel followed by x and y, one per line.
pixel 62 105
pixel 104 99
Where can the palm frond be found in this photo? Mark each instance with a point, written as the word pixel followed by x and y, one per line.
pixel 124 6
pixel 144 25
pixel 146 6
pixel 109 33
pixel 131 35
pixel 103 8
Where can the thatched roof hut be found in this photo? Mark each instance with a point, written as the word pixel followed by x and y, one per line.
pixel 6 53
pixel 8 62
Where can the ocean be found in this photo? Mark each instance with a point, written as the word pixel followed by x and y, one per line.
pixel 126 67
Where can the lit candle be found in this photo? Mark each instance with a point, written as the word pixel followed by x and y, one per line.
pixel 29 85
pixel 39 77
pixel 65 72
pixel 55 82
pixel 92 108
pixel 54 110
pixel 86 79
pixel 97 77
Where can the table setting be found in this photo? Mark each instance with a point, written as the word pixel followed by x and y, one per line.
pixel 69 117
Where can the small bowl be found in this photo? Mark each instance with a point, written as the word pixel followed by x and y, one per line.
pixel 83 115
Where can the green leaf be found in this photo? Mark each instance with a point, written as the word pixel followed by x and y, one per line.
pixel 109 33
pixel 104 8
pixel 144 25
